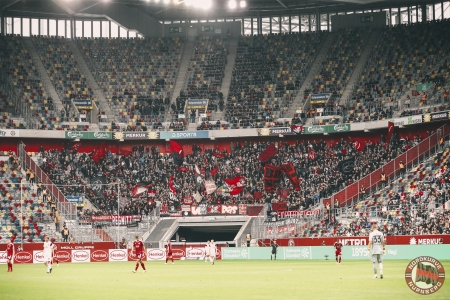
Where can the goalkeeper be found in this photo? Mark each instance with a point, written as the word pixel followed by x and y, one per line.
pixel 378 247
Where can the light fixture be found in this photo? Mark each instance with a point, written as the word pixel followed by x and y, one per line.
pixel 156 1
pixel 232 4
pixel 243 4
pixel 207 4
pixel 166 1
pixel 198 3
pixel 188 2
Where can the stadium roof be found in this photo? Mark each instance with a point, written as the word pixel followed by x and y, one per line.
pixel 176 9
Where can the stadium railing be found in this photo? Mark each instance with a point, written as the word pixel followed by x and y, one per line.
pixel 351 194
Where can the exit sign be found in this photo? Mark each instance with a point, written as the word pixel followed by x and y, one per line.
pixel 174 29
pixel 208 28
pixel 366 19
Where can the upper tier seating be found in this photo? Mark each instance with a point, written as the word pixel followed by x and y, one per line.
pixel 268 73
pixel 136 75
pixel 17 65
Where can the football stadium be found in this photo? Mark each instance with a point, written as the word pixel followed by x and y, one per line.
pixel 224 149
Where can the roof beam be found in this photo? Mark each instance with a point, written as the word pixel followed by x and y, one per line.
pixel 282 4
pixel 8 5
pixel 64 7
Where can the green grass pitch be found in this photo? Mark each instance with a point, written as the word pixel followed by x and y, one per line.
pixel 224 280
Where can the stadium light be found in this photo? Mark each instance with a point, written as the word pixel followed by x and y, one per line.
pixel 166 1
pixel 243 4
pixel 232 4
pixel 207 4
pixel 197 3
pixel 188 2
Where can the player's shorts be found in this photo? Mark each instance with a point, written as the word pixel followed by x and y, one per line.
pixel 140 256
pixel 9 257
pixel 338 252
pixel 169 253
pixel 377 258
pixel 48 258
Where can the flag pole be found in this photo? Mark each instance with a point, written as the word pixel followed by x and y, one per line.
pixel 21 214
pixel 118 207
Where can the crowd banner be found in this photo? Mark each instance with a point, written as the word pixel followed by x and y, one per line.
pixel 406 252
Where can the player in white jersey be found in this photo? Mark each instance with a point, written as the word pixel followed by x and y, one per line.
pixel 49 250
pixel 207 251
pixel 212 252
pixel 377 245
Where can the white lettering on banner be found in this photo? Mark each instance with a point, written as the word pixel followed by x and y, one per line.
pixel 296 253
pixel 428 241
pixel 81 256
pixel 184 135
pixel 353 242
pixel 156 254
pixel 295 213
pixel 63 256
pixel 229 209
pixel 2 257
pixel 76 247
pixel 194 252
pixel 356 252
pixel 391 252
pixel 118 255
pixel 38 257
pixel 197 210
pixel 99 255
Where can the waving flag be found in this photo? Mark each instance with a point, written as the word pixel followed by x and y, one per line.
pixel 312 154
pixel 236 184
pixel 172 190
pixel 292 175
pixel 177 152
pixel 359 144
pixel 139 189
pixel 210 186
pixel 99 153
pixel 391 128
pixel 268 153
pixel 272 177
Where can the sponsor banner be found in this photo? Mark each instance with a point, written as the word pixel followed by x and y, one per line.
pixel 439 116
pixel 117 220
pixel 81 256
pixel 338 128
pixel 349 253
pixel 118 255
pixel 136 135
pixel 194 253
pixel 279 206
pixel 38 256
pixel 275 131
pixel 76 199
pixel 184 135
pixel 99 255
pixel 63 255
pixel 314 129
pixel 294 213
pixel 156 254
pixel 83 103
pixel 362 240
pixel 407 120
pixel 88 135
pixel 2 257
pixel 320 98
pixel 9 133
pixel 196 103
pixel 242 209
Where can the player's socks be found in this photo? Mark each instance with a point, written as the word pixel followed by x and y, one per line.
pixel 375 269
pixel 10 267
pixel 172 259
pixel 137 266
pixel 381 269
pixel 339 259
pixel 143 266
pixel 167 259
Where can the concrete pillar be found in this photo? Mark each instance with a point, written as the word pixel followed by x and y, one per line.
pixel 423 7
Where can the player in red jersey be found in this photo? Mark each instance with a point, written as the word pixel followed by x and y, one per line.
pixel 338 246
pixel 139 251
pixel 10 253
pixel 169 252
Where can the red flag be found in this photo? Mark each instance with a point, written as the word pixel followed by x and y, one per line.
pixel 284 193
pixel 139 189
pixel 390 131
pixel 312 154
pixel 182 169
pixel 213 172
pixel 75 146
pixel 177 152
pixel 236 185
pixel 124 152
pixel 172 190
pixel 99 153
pixel 219 154
pixel 272 176
pixel 359 144
pixel 292 175
pixel 268 153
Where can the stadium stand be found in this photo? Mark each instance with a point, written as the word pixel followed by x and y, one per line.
pixel 33 216
pixel 62 68
pixel 403 57
pixel 136 75
pixel 267 77
pixel 22 76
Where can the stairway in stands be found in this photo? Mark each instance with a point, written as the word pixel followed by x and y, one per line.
pixel 185 58
pixel 225 89
pixel 102 103
pixel 43 73
pixel 299 101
